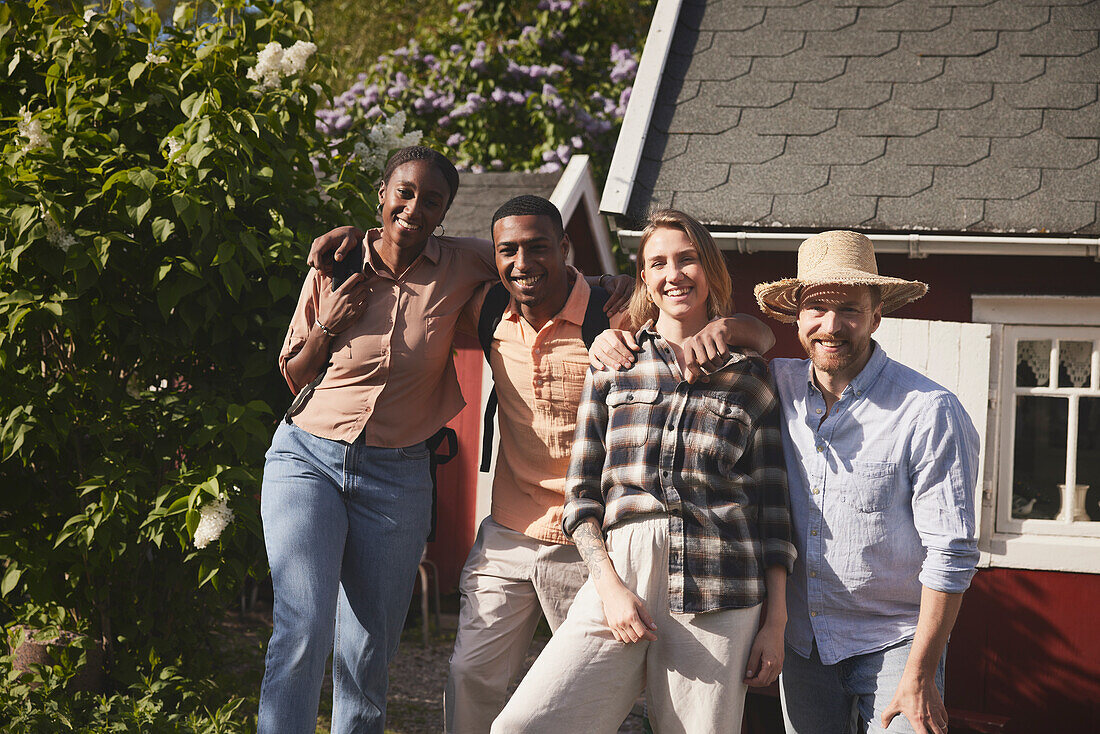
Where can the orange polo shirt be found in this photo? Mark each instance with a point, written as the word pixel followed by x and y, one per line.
pixel 392 381
pixel 539 376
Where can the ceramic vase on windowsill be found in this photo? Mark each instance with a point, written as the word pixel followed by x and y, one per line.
pixel 1080 514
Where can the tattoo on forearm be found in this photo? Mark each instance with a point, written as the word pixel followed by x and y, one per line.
pixel 591 547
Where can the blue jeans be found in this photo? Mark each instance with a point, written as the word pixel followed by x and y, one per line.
pixel 345 525
pixel 846 697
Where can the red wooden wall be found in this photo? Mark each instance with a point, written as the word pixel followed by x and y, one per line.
pixel 457 480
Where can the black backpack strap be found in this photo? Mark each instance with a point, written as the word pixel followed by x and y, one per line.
pixel 436 457
pixel 595 320
pixel 304 395
pixel 492 311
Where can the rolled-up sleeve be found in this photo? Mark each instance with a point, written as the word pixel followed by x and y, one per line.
pixel 584 495
pixel 300 323
pixel 944 474
pixel 769 472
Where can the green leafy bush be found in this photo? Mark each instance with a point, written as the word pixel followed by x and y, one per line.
pixel 508 85
pixel 157 187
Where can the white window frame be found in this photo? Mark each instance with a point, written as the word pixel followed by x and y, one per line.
pixel 1056 545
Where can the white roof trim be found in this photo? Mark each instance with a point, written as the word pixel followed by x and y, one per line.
pixel 1033 309
pixel 915 245
pixel 576 186
pixel 643 99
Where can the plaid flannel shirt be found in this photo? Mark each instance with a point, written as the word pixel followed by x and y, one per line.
pixel 708 455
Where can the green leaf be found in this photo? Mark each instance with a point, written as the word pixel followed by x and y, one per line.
pixel 162 229
pixel 11 579
pixel 136 70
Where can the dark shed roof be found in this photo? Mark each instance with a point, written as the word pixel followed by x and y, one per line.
pixel 951 115
pixel 481 194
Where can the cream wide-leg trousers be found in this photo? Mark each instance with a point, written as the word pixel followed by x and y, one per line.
pixel 585 681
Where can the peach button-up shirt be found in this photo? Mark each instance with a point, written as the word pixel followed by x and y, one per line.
pixel 391 382
pixel 539 376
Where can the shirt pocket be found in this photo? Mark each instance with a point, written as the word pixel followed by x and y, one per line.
pixel 870 487
pixel 438 337
pixel 567 385
pixel 631 416
pixel 722 428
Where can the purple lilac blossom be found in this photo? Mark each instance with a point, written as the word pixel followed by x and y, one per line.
pixel 444 121
pixel 466 7
pixel 498 94
pixel 496 163
pixel 577 141
pixel 549 167
pixel 455 49
pixel 477 168
pixel 455 140
pixel 477 64
pixel 572 58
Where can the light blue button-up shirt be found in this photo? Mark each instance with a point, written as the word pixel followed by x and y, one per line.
pixel 882 502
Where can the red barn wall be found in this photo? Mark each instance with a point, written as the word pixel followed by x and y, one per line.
pixel 457 480
pixel 1026 644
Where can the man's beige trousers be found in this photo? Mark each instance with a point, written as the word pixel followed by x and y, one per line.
pixel 509 581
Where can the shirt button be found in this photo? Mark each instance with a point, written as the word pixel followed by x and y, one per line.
pixel 813 532
pixel 671 427
pixel 630 397
pixel 815 490
pixel 664 474
pixel 858 393
pixel 820 449
pixel 813 574
pixel 813 614
pixel 819 411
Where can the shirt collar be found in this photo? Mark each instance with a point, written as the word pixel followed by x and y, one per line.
pixel 575 305
pixel 431 251
pixel 866 377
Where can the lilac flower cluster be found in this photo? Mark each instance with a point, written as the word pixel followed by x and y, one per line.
pixel 625 66
pixel 480 99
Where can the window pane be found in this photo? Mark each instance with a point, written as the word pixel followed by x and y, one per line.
pixel 1074 363
pixel 1039 456
pixel 1033 363
pixel 1088 461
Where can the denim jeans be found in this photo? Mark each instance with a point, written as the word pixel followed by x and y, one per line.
pixel 344 526
pixel 847 697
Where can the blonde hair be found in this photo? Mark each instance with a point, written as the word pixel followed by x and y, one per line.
pixel 719 285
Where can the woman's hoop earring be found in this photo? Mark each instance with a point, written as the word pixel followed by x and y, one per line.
pixel 379 208
pixel 441 230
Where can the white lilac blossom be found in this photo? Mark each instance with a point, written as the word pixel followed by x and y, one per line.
pixel 152 58
pixel 57 236
pixel 213 517
pixel 387 135
pixel 174 145
pixel 466 7
pixel 274 62
pixel 31 129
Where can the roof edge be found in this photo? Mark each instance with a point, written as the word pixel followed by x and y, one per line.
pixel 639 111
pixel 914 245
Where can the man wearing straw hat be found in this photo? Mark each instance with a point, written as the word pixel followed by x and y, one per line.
pixel 882 464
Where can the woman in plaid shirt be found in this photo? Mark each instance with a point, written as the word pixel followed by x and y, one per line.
pixel 677 501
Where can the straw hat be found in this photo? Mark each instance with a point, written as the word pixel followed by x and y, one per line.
pixel 836 257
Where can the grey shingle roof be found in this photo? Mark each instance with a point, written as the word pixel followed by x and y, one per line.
pixel 951 115
pixel 481 194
